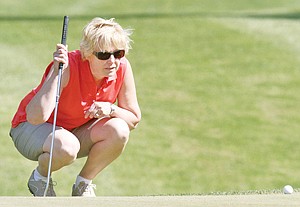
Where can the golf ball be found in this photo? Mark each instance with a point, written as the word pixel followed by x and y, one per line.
pixel 288 189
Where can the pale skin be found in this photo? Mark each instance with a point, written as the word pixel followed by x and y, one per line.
pixel 109 136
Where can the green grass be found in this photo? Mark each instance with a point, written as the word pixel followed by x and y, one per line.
pixel 217 83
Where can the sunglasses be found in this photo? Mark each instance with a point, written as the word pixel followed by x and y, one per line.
pixel 106 55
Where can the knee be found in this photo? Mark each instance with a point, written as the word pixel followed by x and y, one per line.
pixel 115 131
pixel 119 131
pixel 66 151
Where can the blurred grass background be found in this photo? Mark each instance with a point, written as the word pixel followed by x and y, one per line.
pixel 217 83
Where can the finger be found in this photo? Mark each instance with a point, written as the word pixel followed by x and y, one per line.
pixel 97 115
pixel 94 115
pixel 60 56
pixel 86 114
pixel 60 60
pixel 89 112
pixel 61 46
pixel 93 107
pixel 61 51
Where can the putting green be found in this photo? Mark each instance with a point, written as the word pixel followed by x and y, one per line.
pixel 274 200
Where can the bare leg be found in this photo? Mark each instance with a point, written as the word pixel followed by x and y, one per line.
pixel 109 137
pixel 66 147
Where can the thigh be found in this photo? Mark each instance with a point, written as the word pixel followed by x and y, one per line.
pixel 97 130
pixel 29 139
pixel 83 134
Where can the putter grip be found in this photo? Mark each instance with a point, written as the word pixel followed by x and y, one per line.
pixel 64 36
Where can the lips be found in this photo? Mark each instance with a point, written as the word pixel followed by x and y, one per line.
pixel 112 68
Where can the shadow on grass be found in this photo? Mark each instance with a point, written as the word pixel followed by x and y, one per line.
pixel 118 16
pixel 290 16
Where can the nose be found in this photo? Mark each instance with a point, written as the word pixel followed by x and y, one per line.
pixel 112 58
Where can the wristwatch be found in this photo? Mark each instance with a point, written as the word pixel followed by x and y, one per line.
pixel 112 109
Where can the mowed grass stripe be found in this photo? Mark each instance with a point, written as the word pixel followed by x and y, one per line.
pixel 274 200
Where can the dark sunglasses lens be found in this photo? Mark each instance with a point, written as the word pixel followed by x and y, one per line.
pixel 106 55
pixel 103 55
pixel 119 54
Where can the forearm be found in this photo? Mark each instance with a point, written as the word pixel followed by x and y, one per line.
pixel 131 118
pixel 131 114
pixel 41 106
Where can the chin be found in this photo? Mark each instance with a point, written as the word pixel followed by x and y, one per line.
pixel 111 73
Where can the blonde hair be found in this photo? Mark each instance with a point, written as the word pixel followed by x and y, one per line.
pixel 101 34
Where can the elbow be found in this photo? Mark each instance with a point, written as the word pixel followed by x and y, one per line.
pixel 33 118
pixel 136 122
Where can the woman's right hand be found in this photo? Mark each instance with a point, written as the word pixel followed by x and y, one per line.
pixel 61 56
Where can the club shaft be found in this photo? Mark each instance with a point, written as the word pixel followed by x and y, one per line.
pixel 60 67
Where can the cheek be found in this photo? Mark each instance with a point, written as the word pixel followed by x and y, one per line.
pixel 117 63
pixel 96 64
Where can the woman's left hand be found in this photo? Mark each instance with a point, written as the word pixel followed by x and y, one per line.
pixel 98 110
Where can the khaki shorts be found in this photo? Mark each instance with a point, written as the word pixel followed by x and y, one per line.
pixel 29 139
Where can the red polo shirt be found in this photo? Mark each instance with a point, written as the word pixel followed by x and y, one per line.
pixel 78 95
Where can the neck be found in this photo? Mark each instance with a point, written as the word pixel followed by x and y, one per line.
pixel 99 82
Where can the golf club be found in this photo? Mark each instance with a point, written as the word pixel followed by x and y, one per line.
pixel 63 41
